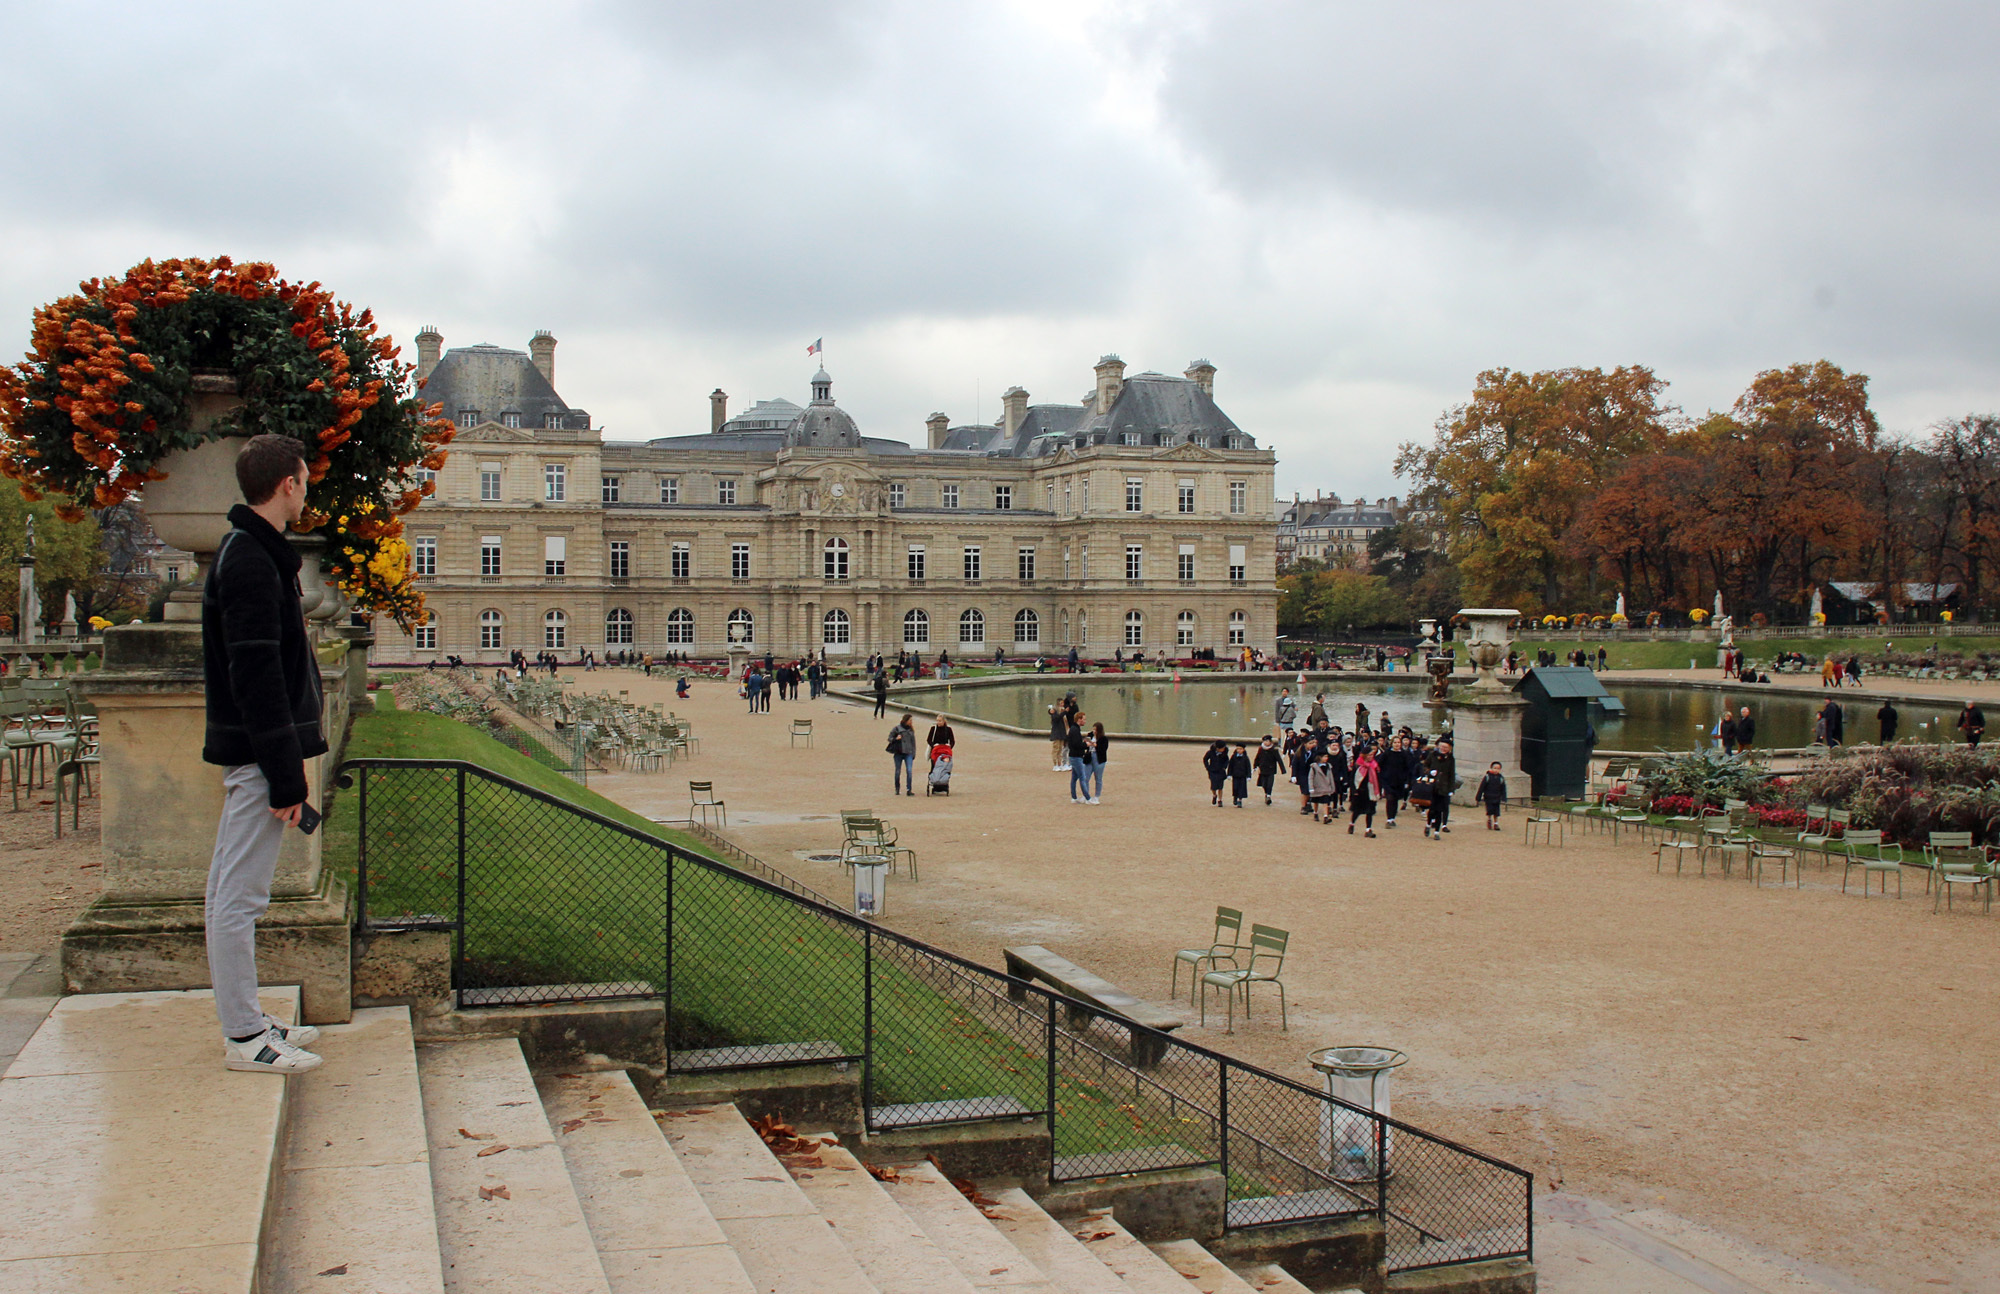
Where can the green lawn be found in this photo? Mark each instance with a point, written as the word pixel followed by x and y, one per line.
pixel 1646 654
pixel 551 898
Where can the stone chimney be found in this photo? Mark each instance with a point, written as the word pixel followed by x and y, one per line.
pixel 1013 409
pixel 543 348
pixel 430 346
pixel 939 424
pixel 1110 381
pixel 718 409
pixel 1202 374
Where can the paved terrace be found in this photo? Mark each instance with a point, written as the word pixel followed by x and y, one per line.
pixel 1714 1073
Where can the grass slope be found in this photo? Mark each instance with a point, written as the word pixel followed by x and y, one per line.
pixel 554 899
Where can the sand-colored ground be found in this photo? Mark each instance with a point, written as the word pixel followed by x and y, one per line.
pixel 45 883
pixel 1799 1071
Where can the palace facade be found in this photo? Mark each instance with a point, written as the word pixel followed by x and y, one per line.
pixel 1139 519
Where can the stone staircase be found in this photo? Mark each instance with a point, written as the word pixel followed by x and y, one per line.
pixel 133 1161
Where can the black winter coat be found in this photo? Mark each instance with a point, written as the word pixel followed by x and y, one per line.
pixel 261 676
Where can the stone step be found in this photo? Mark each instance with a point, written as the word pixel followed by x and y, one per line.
pixel 129 1157
pixel 1142 1270
pixel 956 1225
pixel 1048 1244
pixel 1269 1278
pixel 652 1232
pixel 1202 1270
pixel 478 1095
pixel 356 1187
pixel 885 1240
pixel 780 1238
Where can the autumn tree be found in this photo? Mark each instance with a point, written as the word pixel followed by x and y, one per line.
pixel 1964 456
pixel 1510 471
pixel 68 555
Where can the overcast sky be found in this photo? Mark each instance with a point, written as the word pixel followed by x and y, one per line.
pixel 1350 209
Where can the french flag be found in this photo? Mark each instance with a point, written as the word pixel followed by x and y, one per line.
pixel 815 348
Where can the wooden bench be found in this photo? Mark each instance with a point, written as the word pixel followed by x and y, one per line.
pixel 1034 962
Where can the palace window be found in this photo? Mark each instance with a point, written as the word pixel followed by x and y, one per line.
pixel 1185 500
pixel 1239 628
pixel 489 482
pixel 618 628
pixel 621 559
pixel 680 626
pixel 972 563
pixel 424 556
pixel 1135 629
pixel 916 569
pixel 834 627
pixel 1186 562
pixel 1027 627
pixel 972 627
pixel 489 556
pixel 681 555
pixel 555 554
pixel 897 493
pixel 1135 494
pixel 916 629
pixel 1003 497
pixel 468 417
pixel 1025 557
pixel 555 482
pixel 1184 629
pixel 742 626
pixel 552 421
pixel 1135 562
pixel 511 419
pixel 426 633
pixel 1237 563
pixel 1239 496
pixel 491 623
pixel 725 490
pixel 833 563
pixel 670 489
pixel 951 496
pixel 739 561
pixel 555 631
pixel 609 487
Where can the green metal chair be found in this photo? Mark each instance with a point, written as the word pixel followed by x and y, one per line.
pixel 33 745
pixel 1880 860
pixel 701 799
pixel 1967 867
pixel 1267 963
pixel 1832 824
pixel 1947 852
pixel 802 728
pixel 1550 824
pixel 1677 839
pixel 1763 852
pixel 1228 942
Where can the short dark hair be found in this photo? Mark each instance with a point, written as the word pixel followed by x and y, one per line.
pixel 265 461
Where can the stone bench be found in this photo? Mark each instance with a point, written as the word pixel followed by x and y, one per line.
pixel 1036 963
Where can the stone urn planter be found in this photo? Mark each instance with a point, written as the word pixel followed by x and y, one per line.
pixel 190 508
pixel 1487 641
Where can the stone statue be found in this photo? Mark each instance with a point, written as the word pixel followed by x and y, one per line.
pixel 1440 665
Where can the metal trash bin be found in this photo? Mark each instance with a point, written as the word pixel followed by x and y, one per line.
pixel 871 883
pixel 1359 1076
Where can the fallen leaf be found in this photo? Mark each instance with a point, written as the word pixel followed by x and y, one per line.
pixel 333 1271
pixel 477 1136
pixel 571 1125
pixel 505 1105
pixel 883 1173
pixel 491 1150
pixel 494 1193
pixel 763 1179
pixel 631 1172
pixel 998 1270
pixel 1100 1235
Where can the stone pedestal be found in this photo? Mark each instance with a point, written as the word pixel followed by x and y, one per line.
pixel 739 661
pixel 1486 727
pixel 161 804
pixel 359 640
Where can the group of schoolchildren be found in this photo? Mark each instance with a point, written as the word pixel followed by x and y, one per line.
pixel 1353 772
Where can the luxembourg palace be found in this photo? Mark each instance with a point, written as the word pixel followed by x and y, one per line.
pixel 1139 519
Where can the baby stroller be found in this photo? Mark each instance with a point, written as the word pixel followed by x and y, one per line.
pixel 939 782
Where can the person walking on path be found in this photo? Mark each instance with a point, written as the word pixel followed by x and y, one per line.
pixel 903 749
pixel 940 733
pixel 1393 770
pixel 1058 739
pixel 1079 759
pixel 1100 751
pixel 1887 716
pixel 1266 763
pixel 1835 722
pixel 1239 775
pixel 1286 711
pixel 1367 789
pixel 1444 768
pixel 1319 786
pixel 1317 715
pixel 1302 758
pixel 1726 730
pixel 1492 793
pixel 1972 722
pixel 263 702
pixel 881 693
pixel 1746 730
pixel 1215 762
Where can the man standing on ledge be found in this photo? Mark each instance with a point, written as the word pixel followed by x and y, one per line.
pixel 262 681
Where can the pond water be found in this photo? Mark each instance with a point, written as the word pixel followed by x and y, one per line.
pixel 1656 718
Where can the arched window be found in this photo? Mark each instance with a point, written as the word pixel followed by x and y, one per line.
pixel 1027 627
pixel 916 629
pixel 680 626
pixel 1064 622
pixel 618 627
pixel 491 623
pixel 834 627
pixel 834 561
pixel 1184 629
pixel 1239 629
pixel 1083 628
pixel 971 627
pixel 426 632
pixel 1135 629
pixel 555 630
pixel 742 627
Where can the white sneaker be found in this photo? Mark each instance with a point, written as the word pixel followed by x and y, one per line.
pixel 299 1035
pixel 268 1053
pixel 1093 799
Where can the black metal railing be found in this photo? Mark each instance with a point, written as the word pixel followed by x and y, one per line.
pixel 548 902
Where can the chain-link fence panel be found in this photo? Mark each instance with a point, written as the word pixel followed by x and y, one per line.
pixel 758 977
pixel 950 1044
pixel 1447 1204
pixel 1129 1099
pixel 1284 1153
pixel 407 850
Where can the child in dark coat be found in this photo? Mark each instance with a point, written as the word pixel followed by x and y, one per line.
pixel 1492 793
pixel 1239 775
pixel 1216 761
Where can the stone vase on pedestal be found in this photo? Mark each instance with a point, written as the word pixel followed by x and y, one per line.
pixel 190 508
pixel 1486 718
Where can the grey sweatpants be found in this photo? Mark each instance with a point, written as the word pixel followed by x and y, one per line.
pixel 239 890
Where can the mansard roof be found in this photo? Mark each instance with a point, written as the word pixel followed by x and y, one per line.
pixel 493 380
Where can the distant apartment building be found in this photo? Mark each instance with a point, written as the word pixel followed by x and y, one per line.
pixel 1328 528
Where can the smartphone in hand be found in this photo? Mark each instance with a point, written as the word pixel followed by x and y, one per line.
pixel 308 819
